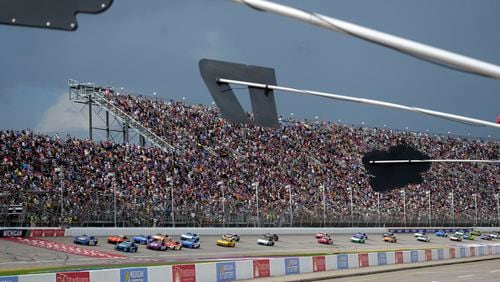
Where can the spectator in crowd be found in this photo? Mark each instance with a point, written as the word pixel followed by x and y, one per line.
pixel 217 162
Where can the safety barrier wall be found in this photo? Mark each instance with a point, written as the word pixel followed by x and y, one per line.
pixel 261 267
pixel 77 231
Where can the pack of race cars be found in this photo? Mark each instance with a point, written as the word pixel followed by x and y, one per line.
pixel 163 242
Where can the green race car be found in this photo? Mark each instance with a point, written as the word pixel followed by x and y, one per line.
pixel 358 239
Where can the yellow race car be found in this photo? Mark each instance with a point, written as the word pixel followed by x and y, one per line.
pixel 226 242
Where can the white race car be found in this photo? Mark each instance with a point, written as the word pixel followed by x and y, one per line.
pixel 495 235
pixel 456 238
pixel 419 234
pixel 423 238
pixel 265 241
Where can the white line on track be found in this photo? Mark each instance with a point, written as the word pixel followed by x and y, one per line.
pixel 493 271
pixel 465 276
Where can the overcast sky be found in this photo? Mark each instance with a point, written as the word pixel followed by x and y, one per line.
pixel 154 46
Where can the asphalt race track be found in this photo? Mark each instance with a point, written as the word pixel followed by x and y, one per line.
pixel 15 256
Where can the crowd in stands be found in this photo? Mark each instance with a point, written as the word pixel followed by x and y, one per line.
pixel 307 168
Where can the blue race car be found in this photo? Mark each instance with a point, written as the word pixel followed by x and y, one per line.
pixel 190 243
pixel 142 239
pixel 361 235
pixel 190 236
pixel 85 240
pixel 441 233
pixel 127 246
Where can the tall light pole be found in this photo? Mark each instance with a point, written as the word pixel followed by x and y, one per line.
pixel 497 196
pixel 452 208
pixel 403 192
pixel 290 203
pixel 221 184
pixel 475 209
pixel 350 196
pixel 429 211
pixel 256 184
pixel 114 204
pixel 169 181
pixel 378 207
pixel 324 205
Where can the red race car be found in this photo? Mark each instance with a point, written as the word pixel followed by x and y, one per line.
pixel 321 235
pixel 327 240
pixel 173 245
pixel 117 239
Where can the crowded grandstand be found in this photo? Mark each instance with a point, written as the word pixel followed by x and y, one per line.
pixel 308 173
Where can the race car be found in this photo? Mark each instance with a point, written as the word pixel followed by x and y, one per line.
pixel 117 239
pixel 190 243
pixel 388 234
pixel 321 235
pixel 142 239
pixel 190 236
pixel 272 236
pixel 325 240
pixel 361 235
pixel 127 246
pixel 173 245
pixel 226 242
pixel 358 239
pixel 266 241
pixel 390 239
pixel 456 238
pixel 441 233
pixel 460 233
pixel 486 237
pixel 85 240
pixel 160 236
pixel 418 234
pixel 495 235
pixel 468 236
pixel 475 232
pixel 231 236
pixel 423 238
pixel 158 245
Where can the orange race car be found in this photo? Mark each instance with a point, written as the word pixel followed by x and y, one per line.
pixel 173 245
pixel 117 239
pixel 390 239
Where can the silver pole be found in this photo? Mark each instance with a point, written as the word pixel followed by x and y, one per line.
pixel 378 208
pixel 430 211
pixel 257 200
pixel 352 215
pixel 223 207
pixel 475 209
pixel 169 181
pixel 114 204
pixel 453 117
pixel 404 206
pixel 62 201
pixel 290 203
pixel 324 205
pixel 400 44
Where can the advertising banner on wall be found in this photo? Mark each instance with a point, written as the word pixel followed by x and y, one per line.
pixel 319 263
pixel 9 279
pixel 13 232
pixel 82 276
pixel 226 271
pixel 342 261
pixel 184 273
pixel 134 274
pixel 363 260
pixel 452 253
pixel 382 258
pixel 399 257
pixel 428 255
pixel 261 268
pixel 292 266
